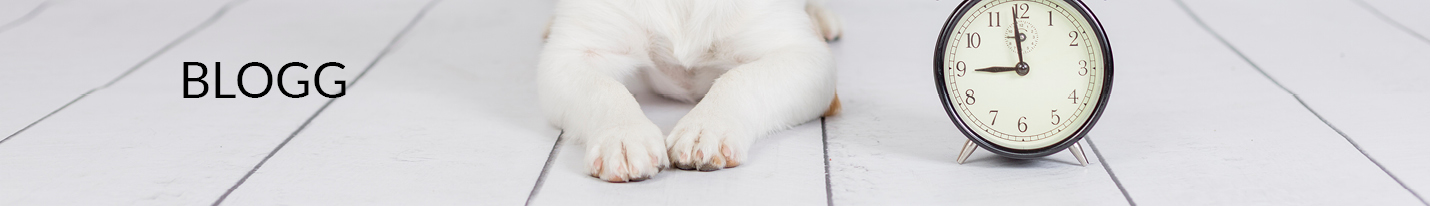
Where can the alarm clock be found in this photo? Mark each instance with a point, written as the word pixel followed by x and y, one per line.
pixel 1023 78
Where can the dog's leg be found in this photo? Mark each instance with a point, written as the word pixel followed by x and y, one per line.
pixel 829 27
pixel 791 82
pixel 824 20
pixel 580 92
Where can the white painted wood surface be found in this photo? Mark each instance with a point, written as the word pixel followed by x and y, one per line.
pixel 12 10
pixel 81 45
pixel 894 144
pixel 1191 123
pixel 138 142
pixel 1408 13
pixel 1372 85
pixel 450 118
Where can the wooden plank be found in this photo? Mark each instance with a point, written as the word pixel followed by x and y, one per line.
pixel 894 145
pixel 451 118
pixel 784 169
pixel 1191 123
pixel 81 45
pixel 11 11
pixel 1370 84
pixel 138 142
pixel 1407 13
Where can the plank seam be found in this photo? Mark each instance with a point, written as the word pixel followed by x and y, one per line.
pixel 1108 167
pixel 828 186
pixel 26 18
pixel 387 49
pixel 550 158
pixel 1392 22
pixel 1218 36
pixel 202 26
pixel 47 116
pixel 176 42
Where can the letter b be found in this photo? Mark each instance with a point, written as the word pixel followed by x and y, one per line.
pixel 199 79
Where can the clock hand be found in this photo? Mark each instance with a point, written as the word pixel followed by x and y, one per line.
pixel 1018 38
pixel 997 69
pixel 1022 67
pixel 1017 34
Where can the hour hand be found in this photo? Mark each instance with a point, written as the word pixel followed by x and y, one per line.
pixel 997 69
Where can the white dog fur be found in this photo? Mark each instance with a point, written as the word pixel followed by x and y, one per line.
pixel 753 66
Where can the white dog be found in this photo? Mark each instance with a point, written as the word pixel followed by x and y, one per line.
pixel 753 66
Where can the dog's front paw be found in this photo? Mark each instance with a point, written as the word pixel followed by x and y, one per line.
pixel 701 142
pixel 626 154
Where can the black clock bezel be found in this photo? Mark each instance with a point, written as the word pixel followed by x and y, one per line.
pixel 1081 132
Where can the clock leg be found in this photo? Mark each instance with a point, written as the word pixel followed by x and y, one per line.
pixel 1077 152
pixel 968 148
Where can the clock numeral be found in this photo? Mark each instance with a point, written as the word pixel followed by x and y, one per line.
pixel 995 117
pixel 995 19
pixel 1074 38
pixel 968 97
pixel 1022 127
pixel 1056 118
pixel 1050 18
pixel 1023 7
pixel 1084 70
pixel 962 68
pixel 974 40
pixel 1073 96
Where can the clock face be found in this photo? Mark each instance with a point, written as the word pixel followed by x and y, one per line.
pixel 1026 76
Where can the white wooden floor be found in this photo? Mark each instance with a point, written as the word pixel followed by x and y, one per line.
pixel 1216 102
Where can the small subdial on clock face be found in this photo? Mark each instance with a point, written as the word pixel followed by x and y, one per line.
pixel 1030 37
pixel 1023 74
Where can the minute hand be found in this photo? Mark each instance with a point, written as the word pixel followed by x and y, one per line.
pixel 1017 35
pixel 1021 67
